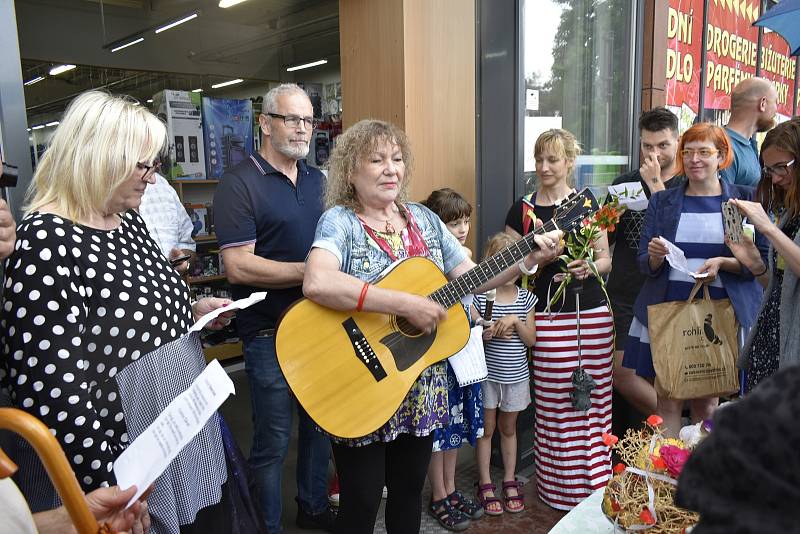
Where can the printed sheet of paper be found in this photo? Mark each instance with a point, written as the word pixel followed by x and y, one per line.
pixel 677 260
pixel 150 453
pixel 235 305
pixel 630 194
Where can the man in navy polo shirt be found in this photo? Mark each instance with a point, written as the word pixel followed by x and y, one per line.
pixel 266 210
pixel 754 104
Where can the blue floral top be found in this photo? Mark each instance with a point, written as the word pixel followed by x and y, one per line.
pixel 340 232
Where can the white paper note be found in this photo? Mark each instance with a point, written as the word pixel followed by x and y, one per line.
pixel 677 260
pixel 235 305
pixel 629 194
pixel 150 453
pixel 469 364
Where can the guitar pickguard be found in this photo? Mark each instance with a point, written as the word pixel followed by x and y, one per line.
pixel 363 350
pixel 408 350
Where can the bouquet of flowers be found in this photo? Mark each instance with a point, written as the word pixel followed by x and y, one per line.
pixel 580 245
pixel 640 494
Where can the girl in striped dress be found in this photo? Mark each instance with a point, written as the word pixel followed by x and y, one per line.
pixel 506 392
pixel 571 459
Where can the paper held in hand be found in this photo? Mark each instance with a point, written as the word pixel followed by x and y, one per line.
pixel 235 305
pixel 630 195
pixel 150 454
pixel 677 260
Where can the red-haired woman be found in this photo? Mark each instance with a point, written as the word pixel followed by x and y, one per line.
pixel 691 218
pixel 773 344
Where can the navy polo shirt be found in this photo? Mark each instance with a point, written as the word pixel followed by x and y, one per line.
pixel 256 204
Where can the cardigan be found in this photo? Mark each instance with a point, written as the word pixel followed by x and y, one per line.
pixel 663 216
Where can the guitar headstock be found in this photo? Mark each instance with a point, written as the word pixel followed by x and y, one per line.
pixel 573 210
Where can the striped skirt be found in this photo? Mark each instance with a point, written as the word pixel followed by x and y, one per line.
pixel 571 459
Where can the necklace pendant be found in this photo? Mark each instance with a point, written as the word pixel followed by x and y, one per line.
pixel 389 227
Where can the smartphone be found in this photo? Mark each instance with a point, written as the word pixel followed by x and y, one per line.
pixel 180 259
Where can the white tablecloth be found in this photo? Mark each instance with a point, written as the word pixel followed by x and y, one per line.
pixel 586 518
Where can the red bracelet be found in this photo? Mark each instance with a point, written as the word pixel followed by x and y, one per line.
pixel 361 298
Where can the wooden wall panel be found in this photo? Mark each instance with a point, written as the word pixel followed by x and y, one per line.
pixel 412 62
pixel 654 58
pixel 372 63
pixel 440 94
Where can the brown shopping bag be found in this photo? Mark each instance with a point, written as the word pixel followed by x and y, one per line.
pixel 694 346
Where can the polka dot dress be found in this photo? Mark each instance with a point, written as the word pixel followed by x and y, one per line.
pixel 80 304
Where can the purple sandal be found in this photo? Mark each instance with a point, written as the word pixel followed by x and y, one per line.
pixel 508 499
pixel 486 500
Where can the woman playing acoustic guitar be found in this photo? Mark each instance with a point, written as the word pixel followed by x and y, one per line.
pixel 367 227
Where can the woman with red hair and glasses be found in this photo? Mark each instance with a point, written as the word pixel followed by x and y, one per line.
pixel 691 218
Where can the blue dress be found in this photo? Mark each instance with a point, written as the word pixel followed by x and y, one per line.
pixel 466 415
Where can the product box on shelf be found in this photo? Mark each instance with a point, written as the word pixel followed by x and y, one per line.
pixel 198 213
pixel 228 133
pixel 185 158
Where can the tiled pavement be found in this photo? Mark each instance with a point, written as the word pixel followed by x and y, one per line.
pixel 537 518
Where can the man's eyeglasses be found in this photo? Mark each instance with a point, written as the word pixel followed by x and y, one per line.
pixel 779 168
pixel 293 121
pixel 148 169
pixel 703 153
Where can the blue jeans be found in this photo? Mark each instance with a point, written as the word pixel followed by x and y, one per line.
pixel 272 426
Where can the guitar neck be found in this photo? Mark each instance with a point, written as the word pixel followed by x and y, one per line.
pixel 453 291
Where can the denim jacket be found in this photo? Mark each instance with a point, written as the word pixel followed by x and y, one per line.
pixel 340 232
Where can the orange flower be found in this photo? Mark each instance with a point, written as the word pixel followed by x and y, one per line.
pixel 647 517
pixel 658 462
pixel 609 439
pixel 654 420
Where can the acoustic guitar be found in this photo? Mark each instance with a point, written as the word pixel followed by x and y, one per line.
pixel 351 370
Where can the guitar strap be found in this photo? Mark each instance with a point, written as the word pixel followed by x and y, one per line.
pixel 411 236
pixel 528 217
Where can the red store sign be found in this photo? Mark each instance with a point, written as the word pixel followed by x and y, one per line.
pixel 731 48
pixel 684 49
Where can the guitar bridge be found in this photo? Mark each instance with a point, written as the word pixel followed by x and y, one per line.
pixel 363 350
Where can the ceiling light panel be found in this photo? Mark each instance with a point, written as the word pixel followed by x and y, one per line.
pixel 307 65
pixel 129 43
pixel 225 84
pixel 55 71
pixel 229 3
pixel 176 23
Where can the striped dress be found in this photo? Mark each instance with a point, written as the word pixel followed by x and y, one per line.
pixel 571 459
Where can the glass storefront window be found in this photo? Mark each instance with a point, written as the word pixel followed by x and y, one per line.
pixel 577 68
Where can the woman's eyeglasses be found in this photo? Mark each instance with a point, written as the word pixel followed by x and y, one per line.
pixel 781 169
pixel 702 153
pixel 148 169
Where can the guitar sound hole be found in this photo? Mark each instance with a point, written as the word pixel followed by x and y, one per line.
pixel 406 328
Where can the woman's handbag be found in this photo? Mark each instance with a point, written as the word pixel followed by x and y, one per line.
pixel 694 346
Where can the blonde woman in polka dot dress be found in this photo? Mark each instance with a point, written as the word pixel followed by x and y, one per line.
pixel 94 316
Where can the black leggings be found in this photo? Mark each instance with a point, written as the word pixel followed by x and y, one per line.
pixel 400 465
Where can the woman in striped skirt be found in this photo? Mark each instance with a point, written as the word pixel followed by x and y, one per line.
pixel 571 459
